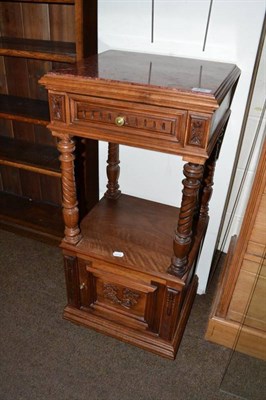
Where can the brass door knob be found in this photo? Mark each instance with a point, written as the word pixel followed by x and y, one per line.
pixel 120 121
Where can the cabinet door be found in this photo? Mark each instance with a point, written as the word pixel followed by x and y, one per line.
pixel 124 299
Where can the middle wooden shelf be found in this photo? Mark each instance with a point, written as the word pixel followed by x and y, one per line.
pixel 134 233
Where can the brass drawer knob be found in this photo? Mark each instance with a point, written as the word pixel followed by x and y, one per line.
pixel 120 121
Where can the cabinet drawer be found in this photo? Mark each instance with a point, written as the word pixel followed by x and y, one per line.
pixel 126 118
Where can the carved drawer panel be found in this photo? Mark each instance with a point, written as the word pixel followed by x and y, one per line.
pixel 122 299
pixel 130 118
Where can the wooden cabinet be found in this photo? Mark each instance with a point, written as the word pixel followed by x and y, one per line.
pixel 130 263
pixel 238 317
pixel 36 36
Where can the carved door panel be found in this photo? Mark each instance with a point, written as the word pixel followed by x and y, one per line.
pixel 125 300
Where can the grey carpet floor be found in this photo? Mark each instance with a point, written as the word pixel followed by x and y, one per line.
pixel 43 356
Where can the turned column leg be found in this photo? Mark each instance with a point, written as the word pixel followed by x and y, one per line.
pixel 113 171
pixel 66 147
pixel 207 186
pixel 183 234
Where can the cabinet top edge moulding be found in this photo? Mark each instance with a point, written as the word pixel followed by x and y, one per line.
pixel 201 82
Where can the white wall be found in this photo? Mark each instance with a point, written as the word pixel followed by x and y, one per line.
pixel 179 29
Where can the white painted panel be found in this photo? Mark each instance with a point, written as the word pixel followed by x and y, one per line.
pixel 180 26
pixel 123 24
pixel 158 179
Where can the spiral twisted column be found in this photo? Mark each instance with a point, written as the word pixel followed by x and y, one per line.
pixel 66 147
pixel 183 235
pixel 207 185
pixel 207 189
pixel 113 171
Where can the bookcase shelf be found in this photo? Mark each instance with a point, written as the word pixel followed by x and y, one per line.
pixel 29 156
pixel 38 49
pixel 35 219
pixel 22 109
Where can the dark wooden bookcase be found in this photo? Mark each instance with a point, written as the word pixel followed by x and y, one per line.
pixel 35 37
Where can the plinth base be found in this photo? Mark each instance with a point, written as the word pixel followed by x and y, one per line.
pixel 116 275
pixel 143 339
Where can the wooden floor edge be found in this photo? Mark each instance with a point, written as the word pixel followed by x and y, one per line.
pixel 234 336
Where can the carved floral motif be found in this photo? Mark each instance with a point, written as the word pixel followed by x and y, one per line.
pixel 198 129
pixel 128 298
pixel 197 132
pixel 57 107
